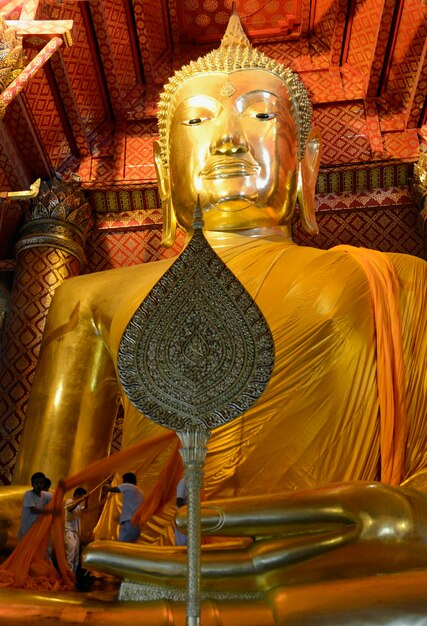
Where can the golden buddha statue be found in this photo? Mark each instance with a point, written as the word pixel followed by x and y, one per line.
pixel 347 402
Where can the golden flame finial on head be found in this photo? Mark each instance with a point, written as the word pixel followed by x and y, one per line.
pixel 234 35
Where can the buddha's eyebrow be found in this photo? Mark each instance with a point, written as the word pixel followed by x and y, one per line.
pixel 198 101
pixel 255 96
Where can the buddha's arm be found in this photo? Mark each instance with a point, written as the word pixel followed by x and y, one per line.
pixel 73 401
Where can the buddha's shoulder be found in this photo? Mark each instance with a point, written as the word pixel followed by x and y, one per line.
pixel 336 258
pixel 307 273
pixel 119 278
pixel 101 294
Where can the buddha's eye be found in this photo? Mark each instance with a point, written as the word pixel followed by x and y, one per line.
pixel 265 116
pixel 195 121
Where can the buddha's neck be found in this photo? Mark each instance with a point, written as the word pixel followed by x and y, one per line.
pixel 220 239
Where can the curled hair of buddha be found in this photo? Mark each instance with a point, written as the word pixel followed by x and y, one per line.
pixel 237 53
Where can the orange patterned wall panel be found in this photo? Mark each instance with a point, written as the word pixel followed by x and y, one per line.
pixel 409 54
pixel 109 250
pixel 155 27
pixel 381 219
pixel 389 229
pixel 30 153
pixel 151 31
pixel 420 97
pixel 324 21
pixel 344 132
pixel 48 123
pixel 365 30
pixel 4 181
pixel 118 31
pixel 13 172
pixel 80 67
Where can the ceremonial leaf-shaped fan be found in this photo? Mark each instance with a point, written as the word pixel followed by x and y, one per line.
pixel 196 354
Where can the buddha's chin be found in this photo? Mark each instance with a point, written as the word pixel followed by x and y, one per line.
pixel 239 214
pixel 230 205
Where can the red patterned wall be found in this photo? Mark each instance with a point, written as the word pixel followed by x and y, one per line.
pixel 205 20
pixel 25 143
pixel 380 225
pixel 118 30
pixel 367 206
pixel 12 171
pixel 39 272
pixel 390 229
pixel 364 33
pixel 344 133
pixel 324 22
pixel 155 28
pixel 410 49
pixel 295 54
pixel 109 250
pixel 48 123
pixel 80 66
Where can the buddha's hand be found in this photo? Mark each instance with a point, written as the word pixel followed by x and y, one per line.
pixel 349 527
pixel 352 529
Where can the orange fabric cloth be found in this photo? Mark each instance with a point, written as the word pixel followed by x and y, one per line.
pixel 384 286
pixel 28 568
pixel 318 420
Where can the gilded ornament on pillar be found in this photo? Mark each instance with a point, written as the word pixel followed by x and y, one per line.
pixel 58 217
pixel 419 187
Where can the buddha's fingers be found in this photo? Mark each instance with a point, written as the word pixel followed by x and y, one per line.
pixel 370 509
pixel 299 518
pixel 167 565
pixel 243 568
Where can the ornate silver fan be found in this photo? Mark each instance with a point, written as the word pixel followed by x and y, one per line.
pixel 196 354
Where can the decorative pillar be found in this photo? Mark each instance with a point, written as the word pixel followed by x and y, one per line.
pixel 48 251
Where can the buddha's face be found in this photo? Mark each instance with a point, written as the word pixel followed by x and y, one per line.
pixel 233 143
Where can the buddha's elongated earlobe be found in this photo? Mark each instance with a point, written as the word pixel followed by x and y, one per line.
pixel 169 223
pixel 169 218
pixel 307 177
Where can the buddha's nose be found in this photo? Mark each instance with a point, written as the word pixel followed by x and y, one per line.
pixel 229 138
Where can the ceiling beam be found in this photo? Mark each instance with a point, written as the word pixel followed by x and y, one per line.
pixel 93 12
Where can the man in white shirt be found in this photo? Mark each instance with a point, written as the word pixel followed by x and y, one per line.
pixel 132 498
pixel 34 503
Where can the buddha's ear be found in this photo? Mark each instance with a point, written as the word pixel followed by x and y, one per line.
pixel 163 181
pixel 307 177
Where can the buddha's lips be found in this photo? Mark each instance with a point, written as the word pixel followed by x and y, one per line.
pixel 229 169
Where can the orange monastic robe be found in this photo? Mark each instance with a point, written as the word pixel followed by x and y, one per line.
pixel 318 421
